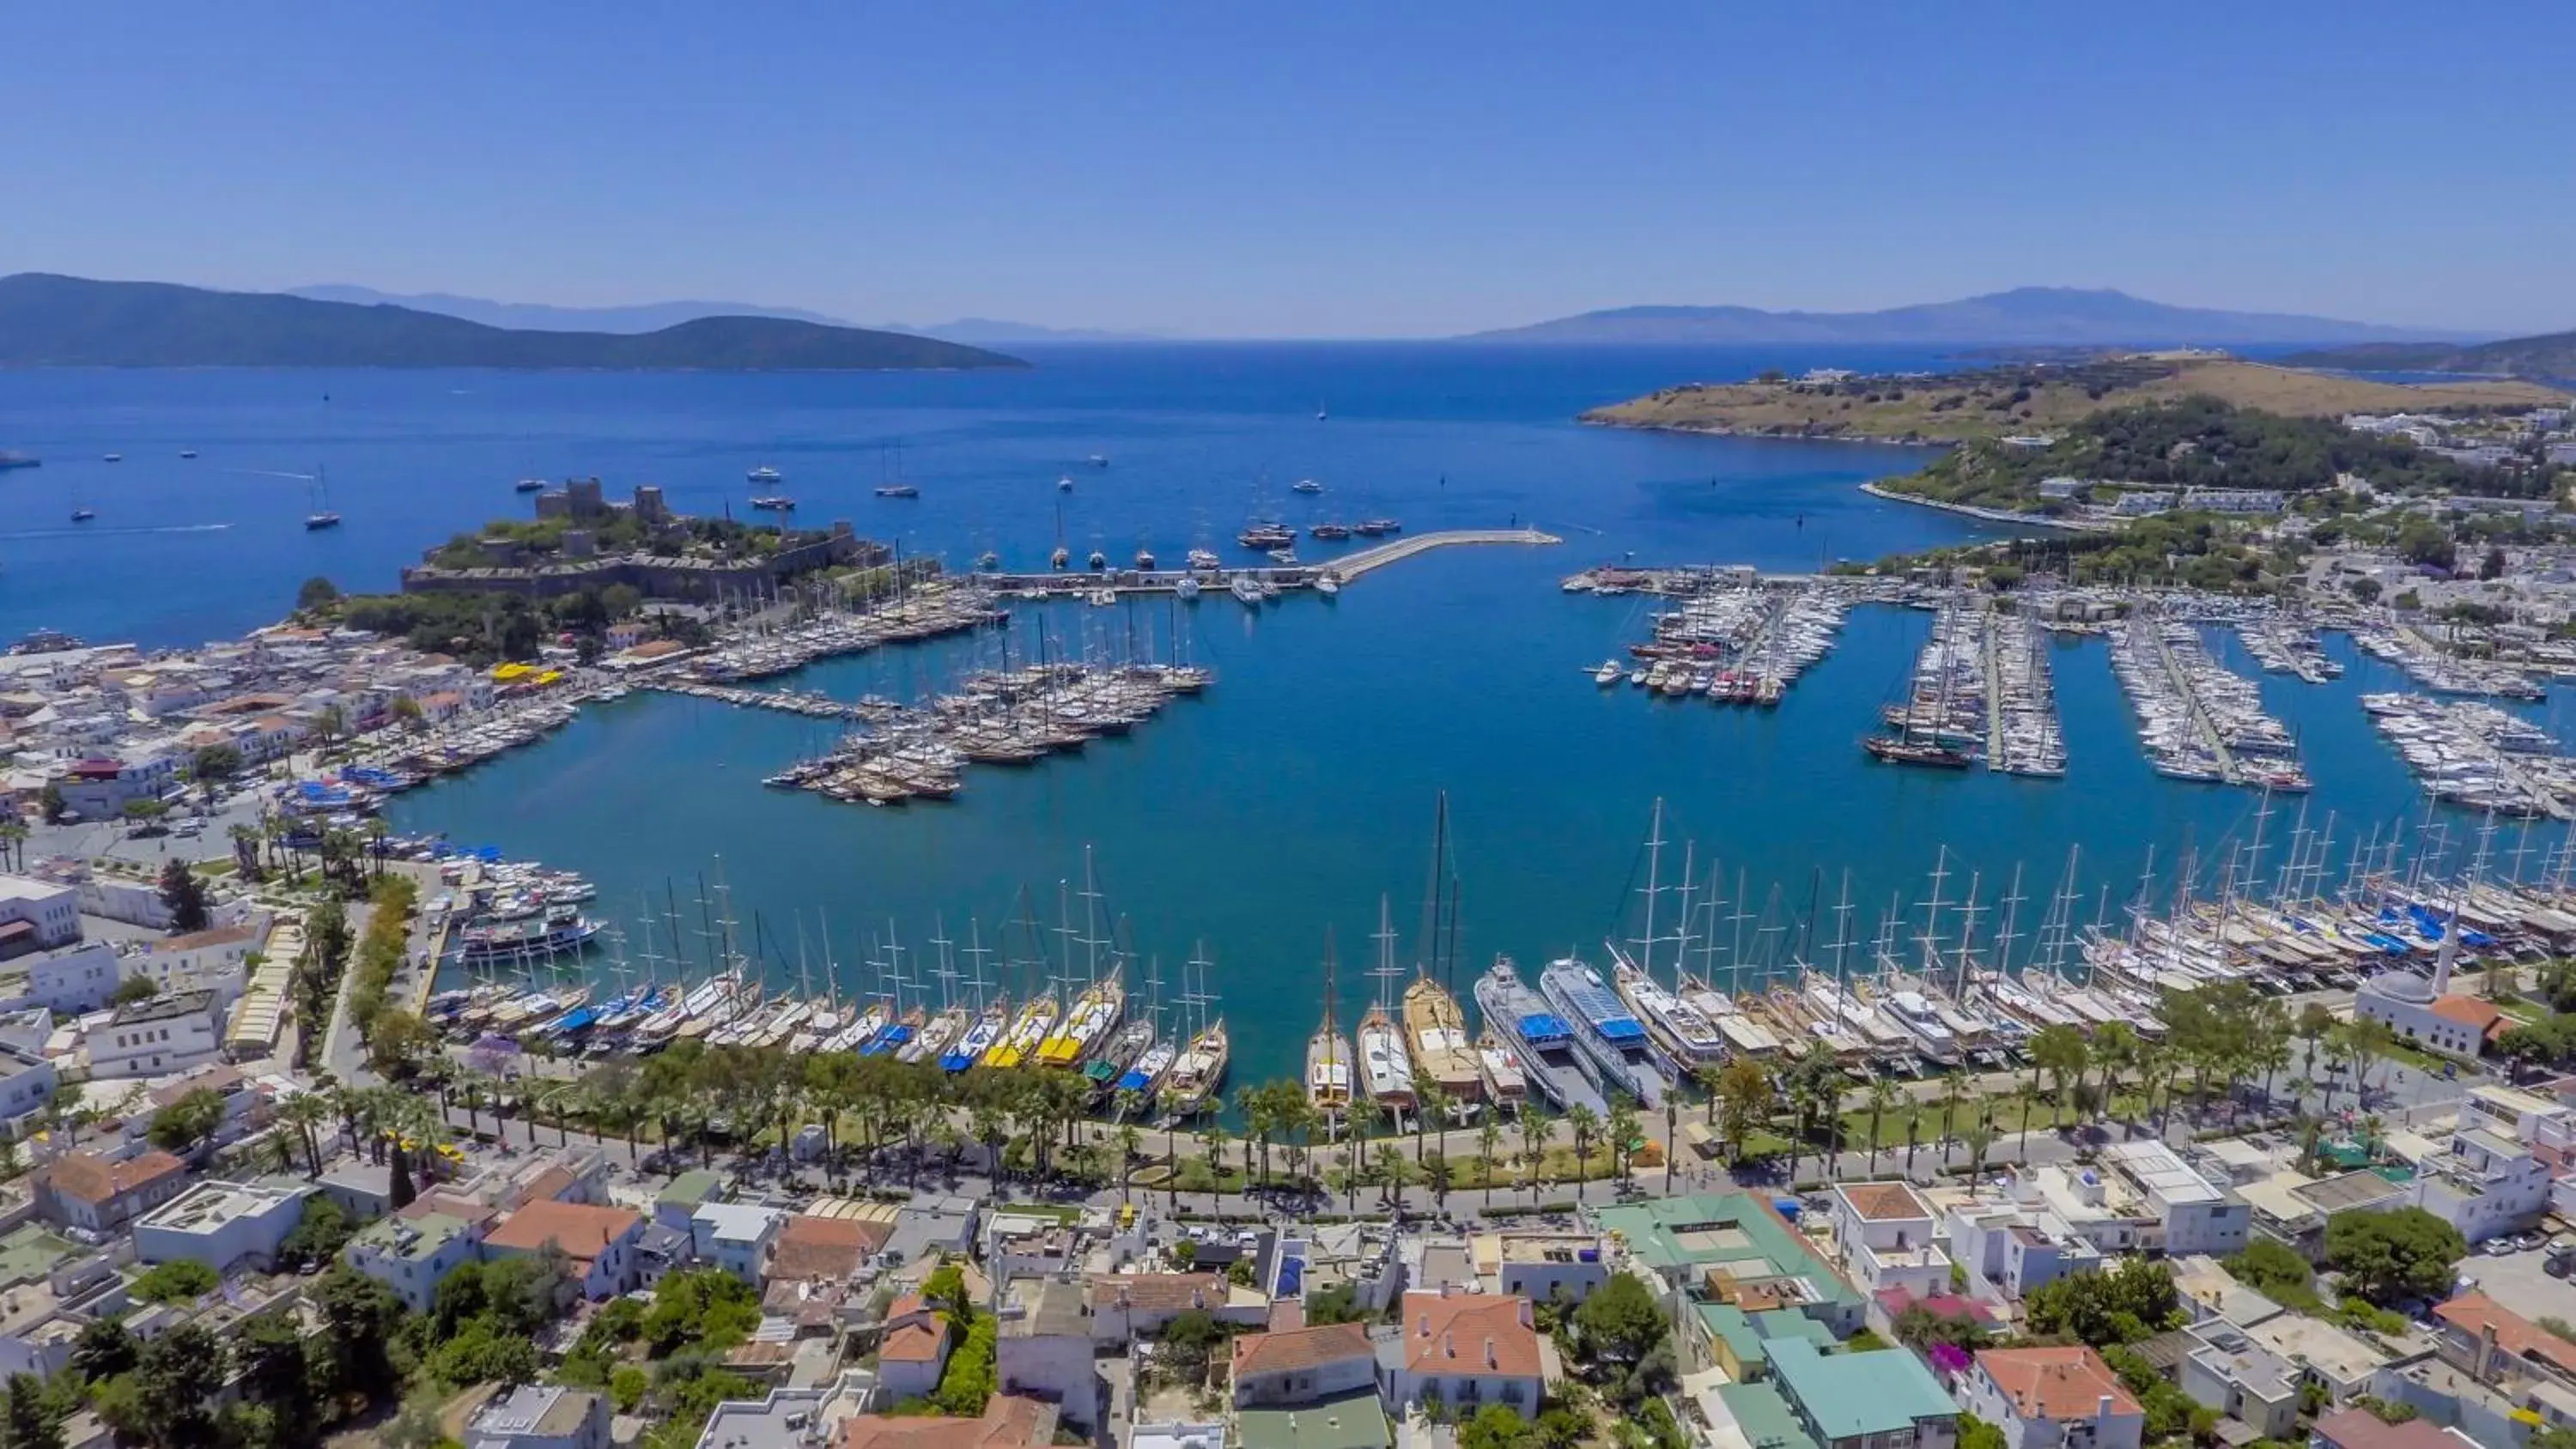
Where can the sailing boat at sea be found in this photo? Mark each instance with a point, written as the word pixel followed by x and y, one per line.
pixel 321 516
pixel 1328 1056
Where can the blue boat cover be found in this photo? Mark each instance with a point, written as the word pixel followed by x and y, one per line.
pixel 1132 1082
pixel 1622 1028
pixel 955 1062
pixel 1544 1026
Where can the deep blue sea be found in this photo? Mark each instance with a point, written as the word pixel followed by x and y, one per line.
pixel 1277 808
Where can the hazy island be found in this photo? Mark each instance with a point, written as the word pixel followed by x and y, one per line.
pixel 2551 357
pixel 56 321
pixel 2032 398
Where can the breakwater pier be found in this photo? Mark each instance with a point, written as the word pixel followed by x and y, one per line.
pixel 1323 573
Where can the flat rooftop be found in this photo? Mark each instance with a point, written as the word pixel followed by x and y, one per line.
pixel 210 1206
pixel 2155 1168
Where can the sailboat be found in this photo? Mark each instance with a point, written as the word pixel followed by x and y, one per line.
pixel 1328 1055
pixel 1198 1073
pixel 1679 1030
pixel 1062 555
pixel 321 516
pixel 1434 1025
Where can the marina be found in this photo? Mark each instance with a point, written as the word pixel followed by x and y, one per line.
pixel 1734 638
pixel 2199 720
pixel 2472 754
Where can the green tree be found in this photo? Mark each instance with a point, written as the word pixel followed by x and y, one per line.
pixel 2129 1303
pixel 1621 1320
pixel 184 896
pixel 176 1376
pixel 178 1281
pixel 133 990
pixel 2388 1257
pixel 186 1123
pixel 1497 1427
pixel 315 593
pixel 31 1417
pixel 1744 1101
pixel 103 1350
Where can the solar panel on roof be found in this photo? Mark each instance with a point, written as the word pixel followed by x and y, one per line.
pixel 1543 1026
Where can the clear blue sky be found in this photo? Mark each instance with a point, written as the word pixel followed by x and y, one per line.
pixel 1307 169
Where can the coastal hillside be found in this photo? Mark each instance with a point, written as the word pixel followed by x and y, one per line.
pixel 2551 357
pixel 2194 442
pixel 2038 397
pixel 55 321
pixel 2032 316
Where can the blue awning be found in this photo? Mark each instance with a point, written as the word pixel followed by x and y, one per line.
pixel 1544 1026
pixel 1622 1028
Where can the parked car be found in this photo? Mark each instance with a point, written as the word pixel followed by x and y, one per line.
pixel 2526 1242
pixel 2496 1247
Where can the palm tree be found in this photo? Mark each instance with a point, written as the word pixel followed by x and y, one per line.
pixel 2060 1051
pixel 1258 1122
pixel 1954 1094
pixel 1438 1174
pixel 2372 1041
pixel 1489 1137
pixel 1882 1095
pixel 1388 1160
pixel 1622 1128
pixel 1536 1129
pixel 1129 1139
pixel 306 1112
pixel 1979 1138
pixel 1424 1088
pixel 1584 1124
pixel 2115 1047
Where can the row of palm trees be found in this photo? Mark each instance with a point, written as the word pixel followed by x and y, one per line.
pixel 697 1097
pixel 2226 1034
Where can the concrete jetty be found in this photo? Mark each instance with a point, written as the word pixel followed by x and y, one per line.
pixel 1353 565
pixel 1077 583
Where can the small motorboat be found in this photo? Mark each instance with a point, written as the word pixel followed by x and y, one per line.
pixel 83 515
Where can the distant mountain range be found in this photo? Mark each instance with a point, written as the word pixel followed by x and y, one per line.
pixel 2037 316
pixel 539 317
pixel 654 316
pixel 2549 358
pixel 56 321
pixel 988 331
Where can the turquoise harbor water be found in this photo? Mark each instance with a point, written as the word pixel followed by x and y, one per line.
pixel 1258 818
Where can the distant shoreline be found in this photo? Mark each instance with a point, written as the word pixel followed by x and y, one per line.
pixel 1722 430
pixel 1988 515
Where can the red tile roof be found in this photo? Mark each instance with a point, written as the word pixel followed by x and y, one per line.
pixel 1296 1350
pixel 913 1333
pixel 2055 1383
pixel 2483 1017
pixel 816 1248
pixel 1010 1422
pixel 580 1229
pixel 1157 1292
pixel 2362 1429
pixel 2475 1313
pixel 1884 1201
pixel 90 1178
pixel 1454 1333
